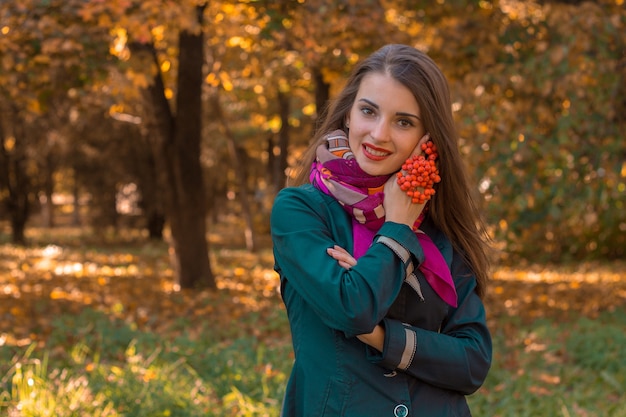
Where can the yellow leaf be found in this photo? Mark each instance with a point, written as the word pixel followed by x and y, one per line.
pixel 158 33
pixel 550 379
pixel 309 109
pixel 234 41
pixel 259 119
pixel 34 106
pixel 212 80
pixel 17 311
pixel 225 79
pixel 274 124
pixel 57 294
pixel 149 375
pixel 117 370
pixel 9 144
pixel 41 59
pixel 139 80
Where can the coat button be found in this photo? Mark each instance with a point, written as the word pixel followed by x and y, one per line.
pixel 401 410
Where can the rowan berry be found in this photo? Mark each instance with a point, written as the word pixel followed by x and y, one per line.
pixel 419 174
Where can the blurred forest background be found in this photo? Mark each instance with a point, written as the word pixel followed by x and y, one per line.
pixel 147 139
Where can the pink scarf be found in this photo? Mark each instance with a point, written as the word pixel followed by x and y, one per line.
pixel 335 172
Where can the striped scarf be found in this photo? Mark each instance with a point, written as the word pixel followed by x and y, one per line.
pixel 335 172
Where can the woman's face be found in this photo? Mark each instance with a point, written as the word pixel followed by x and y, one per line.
pixel 384 124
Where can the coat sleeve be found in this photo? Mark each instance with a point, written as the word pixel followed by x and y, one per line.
pixel 354 301
pixel 458 357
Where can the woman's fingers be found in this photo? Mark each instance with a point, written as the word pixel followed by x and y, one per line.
pixel 399 208
pixel 342 256
pixel 345 265
pixel 418 148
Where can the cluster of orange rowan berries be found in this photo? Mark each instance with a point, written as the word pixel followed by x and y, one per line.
pixel 419 174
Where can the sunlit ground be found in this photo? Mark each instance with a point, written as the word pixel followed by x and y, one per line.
pixel 558 291
pixel 557 330
pixel 129 279
pixel 66 270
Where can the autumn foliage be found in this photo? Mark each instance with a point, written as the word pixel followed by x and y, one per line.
pixel 537 87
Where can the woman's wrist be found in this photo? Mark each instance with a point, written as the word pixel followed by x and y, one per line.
pixel 375 339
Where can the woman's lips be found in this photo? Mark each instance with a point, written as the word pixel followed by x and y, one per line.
pixel 375 154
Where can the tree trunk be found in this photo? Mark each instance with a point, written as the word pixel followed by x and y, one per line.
pixel 155 222
pixel 146 174
pixel 14 179
pixel 47 208
pixel 189 222
pixel 241 179
pixel 152 199
pixel 271 161
pixel 283 142
pixel 176 144
pixel 76 194
pixel 322 91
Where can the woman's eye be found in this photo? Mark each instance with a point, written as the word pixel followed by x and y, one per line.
pixel 367 111
pixel 405 123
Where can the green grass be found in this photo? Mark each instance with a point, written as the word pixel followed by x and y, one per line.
pixel 547 368
pixel 117 371
pixel 553 369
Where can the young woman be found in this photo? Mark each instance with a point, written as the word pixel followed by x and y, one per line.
pixel 383 293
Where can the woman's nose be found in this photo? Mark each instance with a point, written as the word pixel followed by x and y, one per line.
pixel 381 131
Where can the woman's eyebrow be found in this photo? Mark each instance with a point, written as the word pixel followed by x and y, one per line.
pixel 408 115
pixel 374 105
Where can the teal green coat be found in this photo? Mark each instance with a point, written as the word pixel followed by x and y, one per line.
pixel 434 355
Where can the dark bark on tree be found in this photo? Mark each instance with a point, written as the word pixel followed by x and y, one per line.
pixel 152 199
pixel 283 142
pixel 619 96
pixel 146 176
pixel 47 208
pixel 322 91
pixel 186 171
pixel 155 222
pixel 241 179
pixel 271 161
pixel 176 144
pixel 76 194
pixel 103 207
pixel 14 179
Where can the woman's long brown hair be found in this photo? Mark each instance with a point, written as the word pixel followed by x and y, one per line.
pixel 453 208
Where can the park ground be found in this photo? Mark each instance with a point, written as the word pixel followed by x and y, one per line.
pixel 96 326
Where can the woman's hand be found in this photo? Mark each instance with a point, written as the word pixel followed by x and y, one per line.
pixel 398 206
pixel 376 339
pixel 342 256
